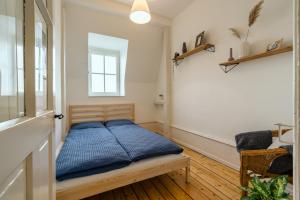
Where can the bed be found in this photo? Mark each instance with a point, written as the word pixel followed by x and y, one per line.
pixel 144 160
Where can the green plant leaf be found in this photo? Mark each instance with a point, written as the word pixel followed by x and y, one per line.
pixel 261 188
pixel 273 189
pixel 278 186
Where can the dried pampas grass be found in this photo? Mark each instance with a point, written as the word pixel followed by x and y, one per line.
pixel 255 12
pixel 235 33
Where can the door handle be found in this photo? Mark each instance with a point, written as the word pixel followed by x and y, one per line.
pixel 60 116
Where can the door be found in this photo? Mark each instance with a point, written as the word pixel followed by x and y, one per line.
pixel 297 99
pixel 27 169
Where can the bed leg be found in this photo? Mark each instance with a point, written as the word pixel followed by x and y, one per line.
pixel 187 173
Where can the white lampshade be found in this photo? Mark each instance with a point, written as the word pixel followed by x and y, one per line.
pixel 140 12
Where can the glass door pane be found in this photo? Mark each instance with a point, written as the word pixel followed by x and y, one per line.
pixel 11 59
pixel 41 46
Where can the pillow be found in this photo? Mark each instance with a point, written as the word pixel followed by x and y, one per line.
pixel 285 139
pixel 118 122
pixel 85 125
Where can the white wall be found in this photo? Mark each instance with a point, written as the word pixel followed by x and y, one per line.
pixel 144 55
pixel 256 94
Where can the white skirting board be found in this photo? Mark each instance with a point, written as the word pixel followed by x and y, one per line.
pixel 221 152
pixel 213 149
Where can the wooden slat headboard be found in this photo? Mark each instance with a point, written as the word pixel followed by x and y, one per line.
pixel 104 112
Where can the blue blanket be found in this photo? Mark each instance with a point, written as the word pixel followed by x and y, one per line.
pixel 140 143
pixel 89 151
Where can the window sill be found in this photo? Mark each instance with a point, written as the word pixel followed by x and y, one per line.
pixel 105 95
pixel 95 96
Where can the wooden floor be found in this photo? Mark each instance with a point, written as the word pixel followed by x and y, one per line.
pixel 209 180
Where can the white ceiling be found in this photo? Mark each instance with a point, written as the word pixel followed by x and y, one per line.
pixel 165 8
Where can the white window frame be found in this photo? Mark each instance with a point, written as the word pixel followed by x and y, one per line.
pixel 103 52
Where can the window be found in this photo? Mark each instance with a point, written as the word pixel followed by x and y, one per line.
pixel 104 76
pixel 107 65
pixel 40 62
pixel 11 60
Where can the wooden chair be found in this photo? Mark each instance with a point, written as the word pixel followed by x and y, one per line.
pixel 259 161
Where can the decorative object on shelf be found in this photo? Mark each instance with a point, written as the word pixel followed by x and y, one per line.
pixel 244 49
pixel 275 45
pixel 253 16
pixel 230 55
pixel 176 55
pixel 140 12
pixel 184 48
pixel 175 60
pixel 200 39
pixel 230 65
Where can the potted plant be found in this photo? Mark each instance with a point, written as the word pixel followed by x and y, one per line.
pixel 273 189
pixel 245 46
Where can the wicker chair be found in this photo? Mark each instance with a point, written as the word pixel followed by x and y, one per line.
pixel 259 161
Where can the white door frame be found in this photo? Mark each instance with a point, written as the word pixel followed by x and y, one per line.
pixel 297 100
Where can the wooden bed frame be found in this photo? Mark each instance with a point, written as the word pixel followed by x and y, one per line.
pixel 80 188
pixel 104 112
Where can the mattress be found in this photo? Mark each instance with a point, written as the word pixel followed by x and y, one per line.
pixel 140 143
pixel 89 151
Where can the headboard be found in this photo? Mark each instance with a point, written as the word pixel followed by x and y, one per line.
pixel 103 112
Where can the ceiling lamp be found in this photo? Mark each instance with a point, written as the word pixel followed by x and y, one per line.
pixel 140 12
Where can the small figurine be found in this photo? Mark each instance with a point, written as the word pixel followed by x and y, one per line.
pixel 200 39
pixel 230 56
pixel 184 48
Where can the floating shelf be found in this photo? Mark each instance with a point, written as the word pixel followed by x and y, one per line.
pixel 204 47
pixel 159 103
pixel 230 65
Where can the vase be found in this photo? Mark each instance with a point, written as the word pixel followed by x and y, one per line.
pixel 244 49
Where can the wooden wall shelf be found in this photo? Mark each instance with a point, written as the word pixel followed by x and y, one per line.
pixel 204 47
pixel 228 66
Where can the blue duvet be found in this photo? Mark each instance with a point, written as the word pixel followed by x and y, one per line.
pixel 89 151
pixel 140 143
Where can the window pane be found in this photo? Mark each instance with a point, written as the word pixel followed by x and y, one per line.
pixel 40 62
pixel 111 83
pixel 11 59
pixel 110 65
pixel 97 63
pixel 97 83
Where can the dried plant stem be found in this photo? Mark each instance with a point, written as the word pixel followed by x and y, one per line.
pixel 247 35
pixel 255 12
pixel 235 33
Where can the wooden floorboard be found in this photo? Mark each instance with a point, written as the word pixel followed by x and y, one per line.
pixel 210 180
